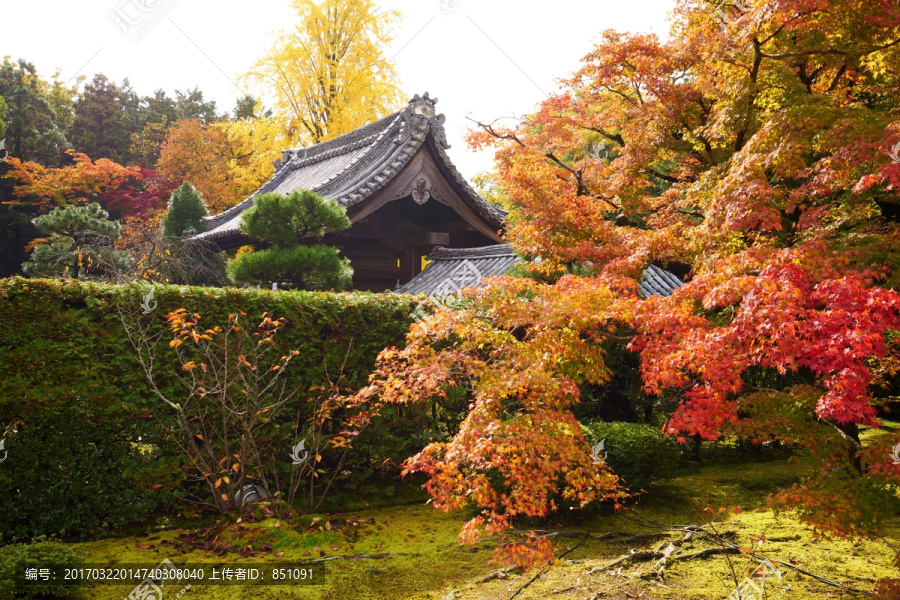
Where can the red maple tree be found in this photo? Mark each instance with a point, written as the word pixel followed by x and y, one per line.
pixel 758 150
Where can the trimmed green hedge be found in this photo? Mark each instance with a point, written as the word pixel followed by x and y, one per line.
pixel 42 554
pixel 637 453
pixel 82 412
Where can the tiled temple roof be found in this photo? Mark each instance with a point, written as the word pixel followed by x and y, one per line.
pixel 352 167
pixel 454 268
pixel 459 268
pixel 658 282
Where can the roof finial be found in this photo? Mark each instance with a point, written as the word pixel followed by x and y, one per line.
pixel 421 116
pixel 423 106
pixel 423 99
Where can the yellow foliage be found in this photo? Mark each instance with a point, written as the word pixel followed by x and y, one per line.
pixel 226 161
pixel 255 144
pixel 329 75
pixel 487 184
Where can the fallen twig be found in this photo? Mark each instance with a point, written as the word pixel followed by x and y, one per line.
pixel 500 574
pixel 647 522
pixel 627 557
pixel 568 589
pixel 356 556
pixel 686 538
pixel 664 556
pixel 706 552
pixel 541 572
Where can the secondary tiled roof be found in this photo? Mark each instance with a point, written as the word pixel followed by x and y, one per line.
pixel 658 282
pixel 454 269
pixel 353 166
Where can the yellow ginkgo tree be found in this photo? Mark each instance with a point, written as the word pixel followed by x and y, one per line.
pixel 328 75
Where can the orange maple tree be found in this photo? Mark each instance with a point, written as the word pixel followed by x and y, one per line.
pixel 199 154
pixel 44 188
pixel 226 161
pixel 519 451
pixel 135 194
pixel 758 149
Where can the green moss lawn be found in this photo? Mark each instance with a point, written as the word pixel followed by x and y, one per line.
pixel 421 558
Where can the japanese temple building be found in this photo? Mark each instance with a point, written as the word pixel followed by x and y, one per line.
pixel 402 193
pixel 408 205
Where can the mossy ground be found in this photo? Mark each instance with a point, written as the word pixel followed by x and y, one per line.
pixel 431 563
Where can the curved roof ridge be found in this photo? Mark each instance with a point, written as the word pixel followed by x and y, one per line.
pixel 441 253
pixel 302 157
pixel 346 142
pixel 352 167
pixel 344 184
pixel 494 211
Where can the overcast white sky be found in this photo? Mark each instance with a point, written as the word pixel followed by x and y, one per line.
pixel 484 58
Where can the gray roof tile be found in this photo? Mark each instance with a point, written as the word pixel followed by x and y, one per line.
pixel 452 269
pixel 353 166
pixel 658 282
pixel 455 268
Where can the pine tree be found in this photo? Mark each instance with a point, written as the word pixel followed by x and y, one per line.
pixel 286 225
pixel 186 207
pixel 80 244
pixel 32 129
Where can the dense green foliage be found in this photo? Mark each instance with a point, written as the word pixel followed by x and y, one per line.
pixel 3 113
pixel 41 554
pixel 80 244
pixel 105 116
pixel 78 222
pixel 33 129
pixel 186 207
pixel 110 119
pixel 303 267
pixel 637 453
pixel 16 230
pixel 285 221
pixel 284 225
pixel 64 359
pixel 74 467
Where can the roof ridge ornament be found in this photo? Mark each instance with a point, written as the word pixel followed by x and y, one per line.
pixel 422 192
pixel 357 164
pixel 421 117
